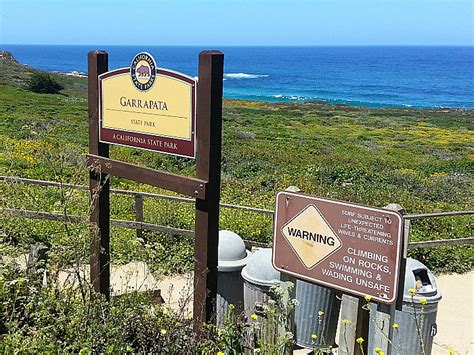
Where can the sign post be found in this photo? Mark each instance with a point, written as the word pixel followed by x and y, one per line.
pixel 98 183
pixel 148 107
pixel 351 248
pixel 208 168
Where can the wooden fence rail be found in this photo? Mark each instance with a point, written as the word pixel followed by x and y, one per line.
pixel 139 225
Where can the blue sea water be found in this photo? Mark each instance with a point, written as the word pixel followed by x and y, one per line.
pixel 373 76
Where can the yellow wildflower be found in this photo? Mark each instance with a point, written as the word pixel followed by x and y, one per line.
pixel 368 298
pixel 346 321
pixel 254 316
pixel 314 336
pixel 451 351
pixel 320 313
pixel 163 331
pixel 412 291
pixel 381 353
pixel 220 353
pixel 360 340
pixel 377 350
pixel 423 301
pixel 395 325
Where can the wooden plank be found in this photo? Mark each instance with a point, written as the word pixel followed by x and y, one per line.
pixel 438 243
pixel 16 180
pixel 99 183
pixel 438 214
pixel 208 167
pixel 177 183
pixel 10 212
pixel 7 212
pixel 249 244
pixel 152 227
pixel 133 193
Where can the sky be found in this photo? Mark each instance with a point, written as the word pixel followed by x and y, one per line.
pixel 237 22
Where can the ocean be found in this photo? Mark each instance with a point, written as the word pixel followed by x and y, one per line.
pixel 371 76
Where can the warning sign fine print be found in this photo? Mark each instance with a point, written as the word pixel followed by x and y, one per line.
pixel 352 248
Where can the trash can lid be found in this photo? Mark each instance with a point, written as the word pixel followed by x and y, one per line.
pixel 421 279
pixel 232 255
pixel 259 269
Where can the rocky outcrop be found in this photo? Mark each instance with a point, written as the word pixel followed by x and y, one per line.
pixel 7 56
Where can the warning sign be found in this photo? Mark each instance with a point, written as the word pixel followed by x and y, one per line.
pixel 310 236
pixel 349 247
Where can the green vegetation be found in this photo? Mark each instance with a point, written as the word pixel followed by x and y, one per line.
pixel 43 84
pixel 421 159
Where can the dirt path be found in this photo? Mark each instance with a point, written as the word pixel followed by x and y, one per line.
pixel 455 314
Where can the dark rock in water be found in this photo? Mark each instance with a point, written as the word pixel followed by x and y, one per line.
pixel 7 56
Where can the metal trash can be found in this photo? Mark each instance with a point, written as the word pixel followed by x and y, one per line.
pixel 259 275
pixel 232 257
pixel 405 337
pixel 313 299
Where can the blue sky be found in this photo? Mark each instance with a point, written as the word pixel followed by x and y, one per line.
pixel 237 22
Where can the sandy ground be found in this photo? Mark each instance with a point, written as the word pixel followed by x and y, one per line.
pixel 455 318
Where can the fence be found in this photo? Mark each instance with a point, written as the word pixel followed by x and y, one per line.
pixel 139 224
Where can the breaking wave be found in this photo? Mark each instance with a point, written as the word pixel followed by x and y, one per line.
pixel 244 76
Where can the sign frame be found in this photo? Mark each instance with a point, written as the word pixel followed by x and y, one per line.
pixel 106 134
pixel 289 269
pixel 205 187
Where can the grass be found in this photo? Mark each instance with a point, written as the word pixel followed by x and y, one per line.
pixel 421 159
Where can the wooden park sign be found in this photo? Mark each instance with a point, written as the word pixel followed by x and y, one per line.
pixel 348 247
pixel 148 107
pixel 158 109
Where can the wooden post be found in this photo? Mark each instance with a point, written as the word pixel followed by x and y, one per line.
pixel 347 332
pixel 139 213
pixel 385 316
pixel 98 183
pixel 362 327
pixel 208 167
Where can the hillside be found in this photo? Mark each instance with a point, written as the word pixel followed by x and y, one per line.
pixel 421 159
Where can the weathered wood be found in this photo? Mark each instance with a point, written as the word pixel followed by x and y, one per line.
pixel 439 243
pixel 139 213
pixel 347 331
pixel 177 183
pixel 437 214
pixel 6 212
pixel 362 327
pixel 385 317
pixel 98 182
pixel 208 167
pixel 14 179
pixel 10 212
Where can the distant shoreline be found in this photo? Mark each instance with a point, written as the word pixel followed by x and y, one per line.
pixel 267 83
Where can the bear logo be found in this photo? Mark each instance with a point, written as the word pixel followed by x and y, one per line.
pixel 143 71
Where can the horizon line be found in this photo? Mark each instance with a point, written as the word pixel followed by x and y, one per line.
pixel 242 45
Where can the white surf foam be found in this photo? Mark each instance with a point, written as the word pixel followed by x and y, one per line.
pixel 244 76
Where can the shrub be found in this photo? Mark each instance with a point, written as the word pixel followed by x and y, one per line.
pixel 43 84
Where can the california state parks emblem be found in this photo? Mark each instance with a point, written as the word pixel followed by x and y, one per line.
pixel 143 71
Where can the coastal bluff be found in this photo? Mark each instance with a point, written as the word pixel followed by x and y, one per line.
pixel 8 57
